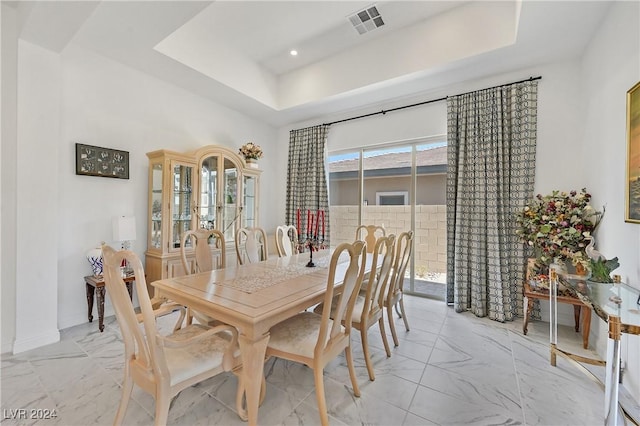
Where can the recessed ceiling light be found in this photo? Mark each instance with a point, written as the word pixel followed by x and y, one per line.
pixel 294 53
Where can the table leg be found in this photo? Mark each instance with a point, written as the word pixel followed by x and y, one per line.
pixel 553 314
pixel 253 353
pixel 529 306
pixel 612 376
pixel 90 292
pixel 576 316
pixel 586 326
pixel 100 297
pixel 130 290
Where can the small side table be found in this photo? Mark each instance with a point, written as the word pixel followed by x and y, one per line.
pixel 93 283
pixel 578 307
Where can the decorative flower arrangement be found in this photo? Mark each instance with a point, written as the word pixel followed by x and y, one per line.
pixel 557 226
pixel 250 151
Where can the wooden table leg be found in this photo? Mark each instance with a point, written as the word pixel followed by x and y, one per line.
pixel 253 353
pixel 100 297
pixel 586 326
pixel 529 303
pixel 90 293
pixel 576 316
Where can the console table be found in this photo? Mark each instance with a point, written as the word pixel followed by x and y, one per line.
pixel 96 282
pixel 618 305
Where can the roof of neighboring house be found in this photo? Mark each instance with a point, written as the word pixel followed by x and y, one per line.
pixel 429 157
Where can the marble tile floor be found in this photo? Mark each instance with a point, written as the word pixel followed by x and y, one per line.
pixel 450 369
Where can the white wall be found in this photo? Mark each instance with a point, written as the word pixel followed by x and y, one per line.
pixel 106 104
pixel 37 225
pixel 78 96
pixel 611 66
pixel 8 155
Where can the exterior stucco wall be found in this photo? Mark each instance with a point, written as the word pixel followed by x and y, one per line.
pixel 430 189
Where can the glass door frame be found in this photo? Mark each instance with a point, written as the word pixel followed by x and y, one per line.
pixel 413 144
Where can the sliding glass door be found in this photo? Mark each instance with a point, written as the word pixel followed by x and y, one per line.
pixel 430 250
pixel 401 188
pixel 344 196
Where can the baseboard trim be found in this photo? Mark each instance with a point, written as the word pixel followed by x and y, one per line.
pixel 7 346
pixel 78 318
pixel 33 342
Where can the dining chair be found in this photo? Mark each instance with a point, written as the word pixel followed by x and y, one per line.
pixel 202 249
pixel 369 234
pixel 404 248
pixel 251 245
pixel 286 240
pixel 203 260
pixel 315 339
pixel 164 365
pixel 369 307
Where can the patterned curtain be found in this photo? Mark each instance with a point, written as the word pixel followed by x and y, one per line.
pixel 491 168
pixel 307 184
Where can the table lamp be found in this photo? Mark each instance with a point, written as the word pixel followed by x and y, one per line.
pixel 124 230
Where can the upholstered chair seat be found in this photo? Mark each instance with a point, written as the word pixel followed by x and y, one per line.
pixel 300 335
pixel 201 356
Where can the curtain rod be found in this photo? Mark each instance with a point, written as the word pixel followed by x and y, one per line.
pixel 383 112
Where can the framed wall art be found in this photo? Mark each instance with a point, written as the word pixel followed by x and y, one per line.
pixel 633 155
pixel 105 162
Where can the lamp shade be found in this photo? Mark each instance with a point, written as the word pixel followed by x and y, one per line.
pixel 124 228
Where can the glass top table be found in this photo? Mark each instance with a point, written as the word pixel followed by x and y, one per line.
pixel 617 304
pixel 608 300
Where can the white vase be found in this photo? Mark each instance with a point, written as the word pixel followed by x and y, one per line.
pixel 251 162
pixel 94 256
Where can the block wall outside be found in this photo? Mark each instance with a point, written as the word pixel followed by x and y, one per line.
pixel 430 232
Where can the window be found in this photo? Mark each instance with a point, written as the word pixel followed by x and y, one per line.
pixel 392 198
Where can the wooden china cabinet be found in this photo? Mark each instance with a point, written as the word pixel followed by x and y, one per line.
pixel 212 187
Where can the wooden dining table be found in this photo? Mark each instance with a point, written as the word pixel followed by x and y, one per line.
pixel 254 297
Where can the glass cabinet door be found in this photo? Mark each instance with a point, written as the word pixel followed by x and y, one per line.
pixel 182 202
pixel 155 230
pixel 249 204
pixel 208 193
pixel 230 202
pixel 195 190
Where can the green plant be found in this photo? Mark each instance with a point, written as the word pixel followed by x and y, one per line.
pixel 601 269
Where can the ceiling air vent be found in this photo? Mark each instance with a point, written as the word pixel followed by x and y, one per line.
pixel 366 20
